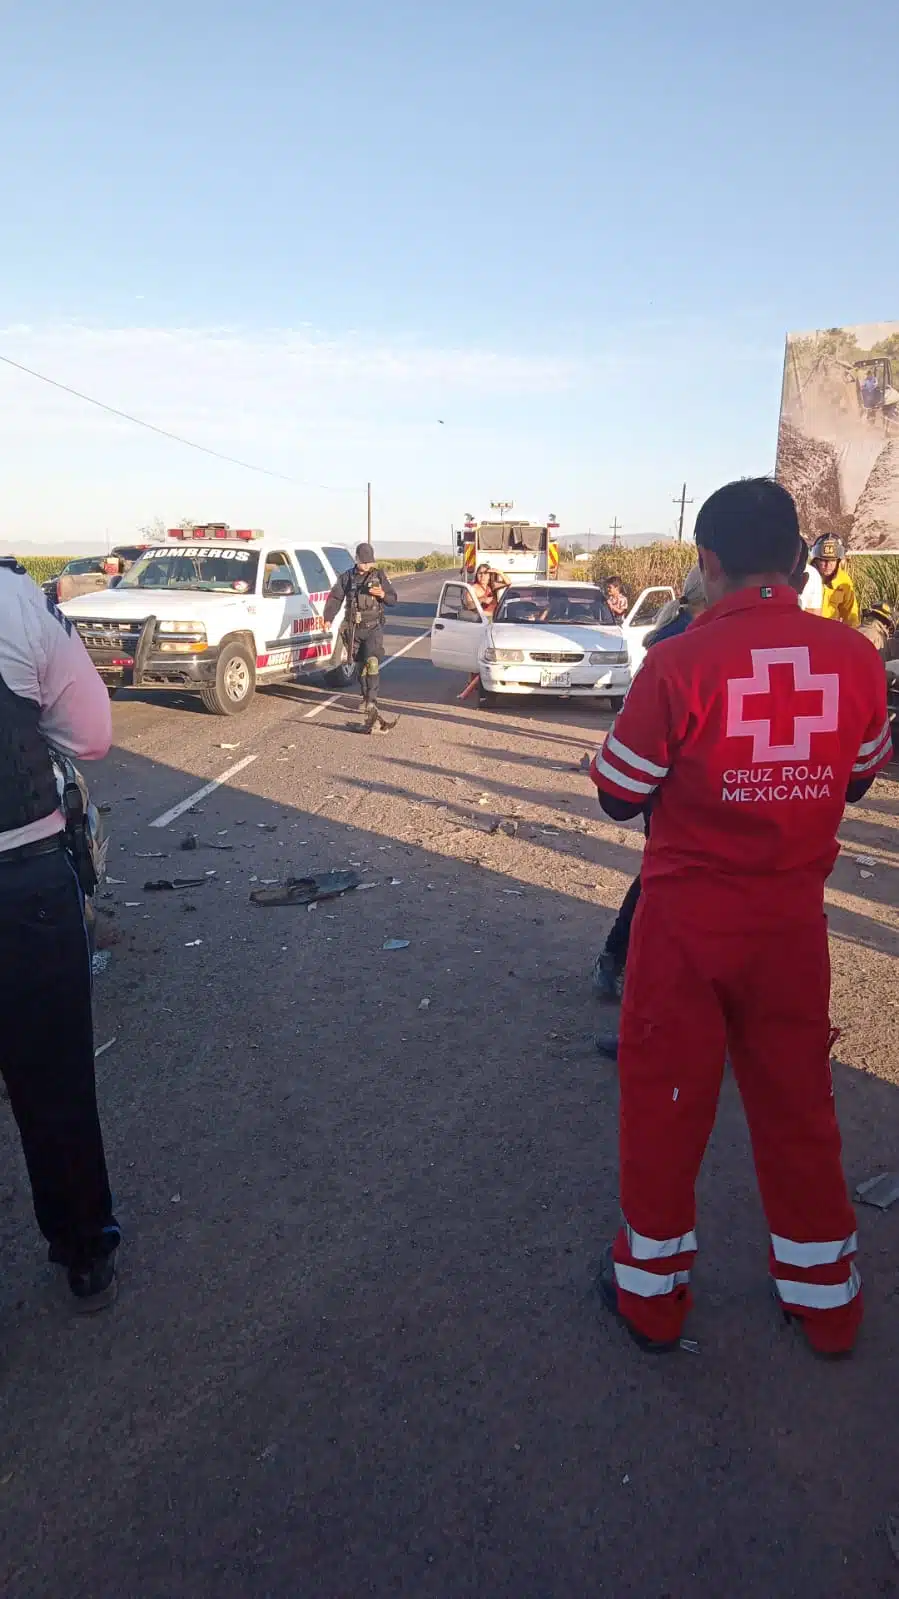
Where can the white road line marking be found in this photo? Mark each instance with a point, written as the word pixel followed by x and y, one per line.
pixel 208 788
pixel 317 709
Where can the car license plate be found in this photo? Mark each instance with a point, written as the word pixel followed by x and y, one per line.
pixel 555 679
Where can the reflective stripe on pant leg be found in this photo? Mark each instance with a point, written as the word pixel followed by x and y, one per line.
pixel 670 1077
pixel 779 1012
pixel 808 1295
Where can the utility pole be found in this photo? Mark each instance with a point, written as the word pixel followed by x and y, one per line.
pixel 615 526
pixel 368 494
pixel 682 501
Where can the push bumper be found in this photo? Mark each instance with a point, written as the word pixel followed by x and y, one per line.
pixel 149 667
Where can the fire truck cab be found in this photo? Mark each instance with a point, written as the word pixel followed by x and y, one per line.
pixel 519 550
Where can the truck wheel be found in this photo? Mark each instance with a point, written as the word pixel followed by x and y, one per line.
pixel 235 682
pixel 341 672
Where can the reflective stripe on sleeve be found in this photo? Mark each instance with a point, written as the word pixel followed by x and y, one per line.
pixel 639 762
pixel 874 743
pixel 647 1283
pixel 884 746
pixel 789 1253
pixel 621 778
pixel 819 1296
pixel 643 1248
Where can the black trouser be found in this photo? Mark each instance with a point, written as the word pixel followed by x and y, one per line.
pixel 368 654
pixel 47 1053
pixel 619 937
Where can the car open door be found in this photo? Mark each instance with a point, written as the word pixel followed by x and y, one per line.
pixel 458 630
pixel 642 617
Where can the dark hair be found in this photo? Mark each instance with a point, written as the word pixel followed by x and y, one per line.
pixel 613 580
pixel 751 526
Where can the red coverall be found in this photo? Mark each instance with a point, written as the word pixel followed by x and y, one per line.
pixel 747 731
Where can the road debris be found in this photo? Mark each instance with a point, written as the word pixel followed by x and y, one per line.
pixel 229 746
pixel 100 960
pixel 424 1004
pixel 306 890
pixel 866 874
pixel 104 1047
pixel 150 855
pixel 193 943
pixel 509 827
pixel 133 904
pixel 160 885
pixel 865 860
pixel 395 882
pixel 892 1531
pixel 689 1346
pixel 513 893
pixel 881 1191
pixel 175 1199
pixel 267 827
pixel 583 764
pixel 189 841
pixel 396 943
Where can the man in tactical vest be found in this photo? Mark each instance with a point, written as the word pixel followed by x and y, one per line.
pixel 365 590
pixel 50 696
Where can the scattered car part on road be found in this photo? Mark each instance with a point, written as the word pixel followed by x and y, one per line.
pixel 161 885
pixel 881 1191
pixel 307 890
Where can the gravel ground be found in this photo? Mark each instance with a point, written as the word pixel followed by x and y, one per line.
pixel 356 1349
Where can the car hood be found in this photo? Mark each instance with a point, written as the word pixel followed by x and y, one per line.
pixel 180 605
pixel 551 639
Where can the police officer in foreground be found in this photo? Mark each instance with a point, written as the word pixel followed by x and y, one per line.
pixel 365 590
pixel 50 695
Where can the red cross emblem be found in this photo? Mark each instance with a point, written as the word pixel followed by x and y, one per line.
pixel 800 702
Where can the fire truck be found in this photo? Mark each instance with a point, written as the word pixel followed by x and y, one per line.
pixel 520 550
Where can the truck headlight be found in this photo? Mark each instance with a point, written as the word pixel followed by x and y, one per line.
pixel 181 638
pixel 492 656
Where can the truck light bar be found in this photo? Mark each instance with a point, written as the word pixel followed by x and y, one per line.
pixel 215 530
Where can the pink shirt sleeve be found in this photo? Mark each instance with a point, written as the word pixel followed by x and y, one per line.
pixel 75 711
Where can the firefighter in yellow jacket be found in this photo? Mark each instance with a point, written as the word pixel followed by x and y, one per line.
pixel 840 603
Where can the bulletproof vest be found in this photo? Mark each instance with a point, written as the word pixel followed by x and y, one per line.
pixel 27 785
pixel 369 611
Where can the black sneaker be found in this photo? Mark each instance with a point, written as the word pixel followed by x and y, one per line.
pixel 607 1045
pixel 608 1293
pixel 95 1286
pixel 608 978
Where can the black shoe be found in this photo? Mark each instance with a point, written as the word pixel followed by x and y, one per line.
pixel 608 1293
pixel 607 1044
pixel 95 1286
pixel 608 977
pixel 796 1324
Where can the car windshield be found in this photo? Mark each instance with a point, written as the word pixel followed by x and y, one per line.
pixel 502 537
pixel 207 570
pixel 555 604
pixel 77 568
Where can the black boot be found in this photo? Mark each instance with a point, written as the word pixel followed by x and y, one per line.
pixel 608 1293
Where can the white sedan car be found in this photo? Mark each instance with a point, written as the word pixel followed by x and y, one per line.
pixel 546 638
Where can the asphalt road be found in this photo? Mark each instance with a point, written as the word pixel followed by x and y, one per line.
pixel 356 1349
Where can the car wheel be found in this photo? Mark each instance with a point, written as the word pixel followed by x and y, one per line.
pixel 235 682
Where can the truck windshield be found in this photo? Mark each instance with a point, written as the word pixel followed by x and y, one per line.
pixel 495 538
pixel 208 570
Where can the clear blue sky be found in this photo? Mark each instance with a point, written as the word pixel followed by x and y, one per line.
pixel 304 233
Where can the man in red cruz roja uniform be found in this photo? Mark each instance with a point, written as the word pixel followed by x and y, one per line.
pixel 747 734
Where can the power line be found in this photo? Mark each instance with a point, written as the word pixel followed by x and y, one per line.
pixel 176 438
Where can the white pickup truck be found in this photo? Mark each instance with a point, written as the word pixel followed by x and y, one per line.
pixel 216 611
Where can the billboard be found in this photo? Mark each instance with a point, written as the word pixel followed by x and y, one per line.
pixel 838 443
